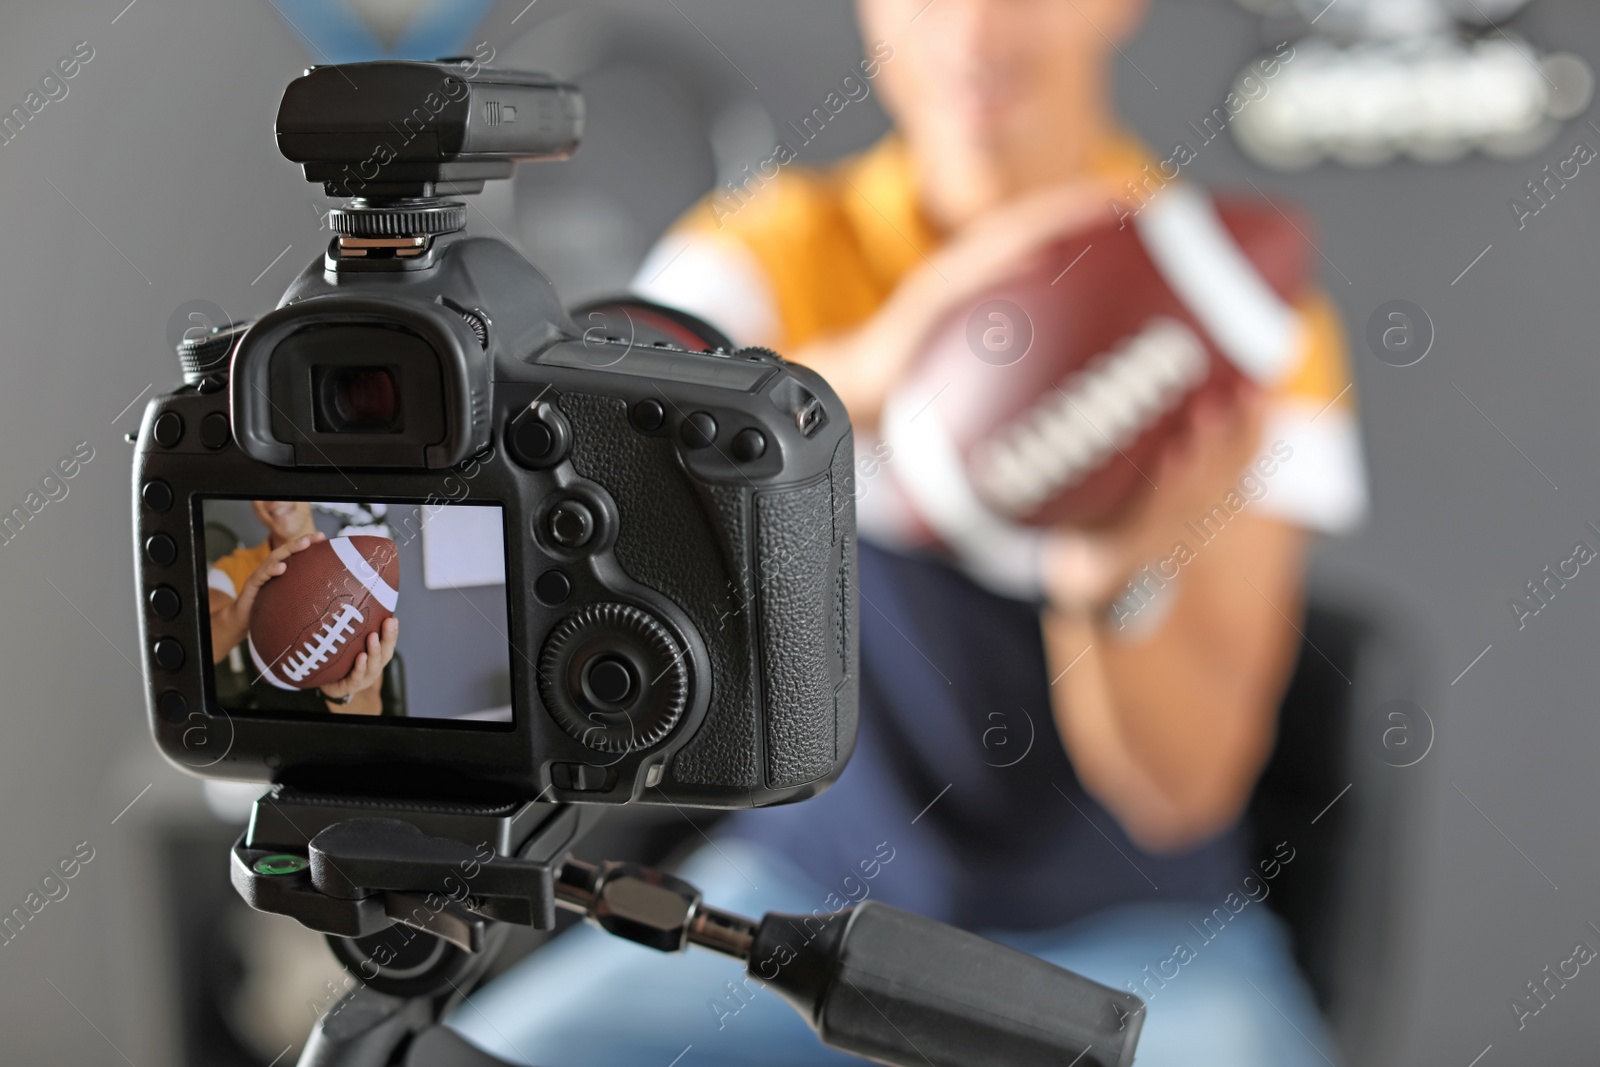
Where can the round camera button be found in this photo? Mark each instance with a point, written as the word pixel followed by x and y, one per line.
pixel 534 440
pixel 162 550
pixel 649 415
pixel 552 587
pixel 157 495
pixel 699 430
pixel 749 445
pixel 165 602
pixel 609 680
pixel 539 436
pixel 172 707
pixel 571 524
pixel 168 653
pixel 215 431
pixel 168 430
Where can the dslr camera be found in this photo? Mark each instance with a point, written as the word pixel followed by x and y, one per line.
pixel 617 551
pixel 454 568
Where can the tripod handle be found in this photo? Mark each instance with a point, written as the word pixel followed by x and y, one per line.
pixel 901 989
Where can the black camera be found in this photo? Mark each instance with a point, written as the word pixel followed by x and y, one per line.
pixel 442 565
pixel 619 554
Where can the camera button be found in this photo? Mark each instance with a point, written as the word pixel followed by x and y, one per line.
pixel 165 602
pixel 162 550
pixel 571 524
pixel 538 437
pixel 157 495
pixel 608 680
pixel 172 706
pixel 214 431
pixel 699 430
pixel 169 653
pixel 649 415
pixel 578 777
pixel 535 440
pixel 749 445
pixel 168 429
pixel 552 587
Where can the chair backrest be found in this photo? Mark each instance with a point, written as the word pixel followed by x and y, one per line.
pixel 220 540
pixel 1341 789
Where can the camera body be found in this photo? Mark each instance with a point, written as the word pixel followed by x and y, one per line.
pixel 672 522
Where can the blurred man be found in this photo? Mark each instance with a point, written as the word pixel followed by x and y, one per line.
pixel 236 578
pixel 1048 774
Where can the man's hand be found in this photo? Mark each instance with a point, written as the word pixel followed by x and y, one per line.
pixel 864 364
pixel 364 683
pixel 230 619
pixel 1171 733
pixel 1085 568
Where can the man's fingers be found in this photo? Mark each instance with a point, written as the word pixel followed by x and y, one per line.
pixel 372 661
pixel 358 679
pixel 262 575
pixel 288 548
pixel 275 564
pixel 1040 217
pixel 299 544
pixel 1000 243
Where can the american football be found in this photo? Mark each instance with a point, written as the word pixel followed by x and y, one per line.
pixel 310 622
pixel 1055 397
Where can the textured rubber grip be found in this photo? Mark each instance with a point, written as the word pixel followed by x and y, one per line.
pixel 901 989
pixel 799 613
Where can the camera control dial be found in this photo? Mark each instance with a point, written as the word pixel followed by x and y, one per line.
pixel 613 677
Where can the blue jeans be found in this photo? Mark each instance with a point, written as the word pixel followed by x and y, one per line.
pixel 591 1000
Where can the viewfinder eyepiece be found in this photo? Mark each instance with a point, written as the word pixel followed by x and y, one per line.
pixel 357 399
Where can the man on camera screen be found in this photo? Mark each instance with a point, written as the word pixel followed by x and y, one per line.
pixel 235 579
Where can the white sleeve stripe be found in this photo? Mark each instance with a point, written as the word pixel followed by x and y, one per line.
pixel 1323 486
pixel 719 281
pixel 217 578
pixel 1204 265
pixel 357 565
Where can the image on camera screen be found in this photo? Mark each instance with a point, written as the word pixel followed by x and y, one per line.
pixel 397 612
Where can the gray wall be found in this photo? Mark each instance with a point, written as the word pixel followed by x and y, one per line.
pixel 155 182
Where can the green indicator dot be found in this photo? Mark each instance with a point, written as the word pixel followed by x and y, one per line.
pixel 281 864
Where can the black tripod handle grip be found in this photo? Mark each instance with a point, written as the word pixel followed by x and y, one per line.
pixel 901 989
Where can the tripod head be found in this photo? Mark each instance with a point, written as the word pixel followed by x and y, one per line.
pixel 415 899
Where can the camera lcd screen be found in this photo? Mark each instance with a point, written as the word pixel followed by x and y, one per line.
pixel 390 612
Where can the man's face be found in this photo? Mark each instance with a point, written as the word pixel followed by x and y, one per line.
pixel 988 76
pixel 285 519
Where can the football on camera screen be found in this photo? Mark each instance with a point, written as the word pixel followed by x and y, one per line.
pixel 301 623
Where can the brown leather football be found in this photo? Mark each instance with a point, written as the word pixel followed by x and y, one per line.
pixel 1052 398
pixel 310 622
